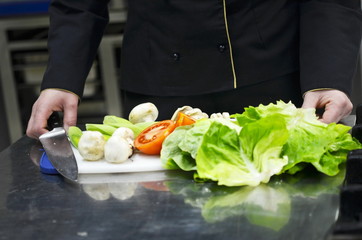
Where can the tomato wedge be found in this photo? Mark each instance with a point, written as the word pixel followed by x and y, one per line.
pixel 150 140
pixel 184 119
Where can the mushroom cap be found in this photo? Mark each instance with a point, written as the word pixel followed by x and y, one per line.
pixel 195 113
pixel 117 150
pixel 91 145
pixel 144 112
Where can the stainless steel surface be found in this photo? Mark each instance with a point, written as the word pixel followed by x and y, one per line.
pixel 165 205
pixel 60 153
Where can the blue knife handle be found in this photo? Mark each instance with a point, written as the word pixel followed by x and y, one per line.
pixel 46 166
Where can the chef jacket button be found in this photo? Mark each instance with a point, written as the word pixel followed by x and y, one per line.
pixel 176 56
pixel 222 48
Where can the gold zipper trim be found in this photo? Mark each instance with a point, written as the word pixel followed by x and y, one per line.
pixel 229 43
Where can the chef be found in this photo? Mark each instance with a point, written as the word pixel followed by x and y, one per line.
pixel 217 55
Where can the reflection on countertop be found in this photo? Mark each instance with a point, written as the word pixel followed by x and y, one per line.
pixel 163 205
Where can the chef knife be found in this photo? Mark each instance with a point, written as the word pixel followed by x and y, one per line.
pixel 58 149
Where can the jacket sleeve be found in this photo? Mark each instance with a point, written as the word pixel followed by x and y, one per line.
pixel 330 37
pixel 75 31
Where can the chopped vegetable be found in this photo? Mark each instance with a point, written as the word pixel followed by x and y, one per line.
pixel 106 130
pixel 117 149
pixel 172 157
pixel 74 134
pixel 195 113
pixel 118 122
pixel 119 146
pixel 91 145
pixel 150 140
pixel 125 133
pixel 183 119
pixel 145 112
pixel 225 115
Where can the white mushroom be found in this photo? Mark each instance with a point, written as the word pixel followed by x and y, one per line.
pixel 224 115
pixel 195 113
pixel 125 133
pixel 91 145
pixel 145 112
pixel 117 149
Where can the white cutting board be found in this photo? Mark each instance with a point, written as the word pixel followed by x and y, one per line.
pixel 137 163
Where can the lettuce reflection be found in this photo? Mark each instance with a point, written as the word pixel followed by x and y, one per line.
pixel 268 205
pixel 263 205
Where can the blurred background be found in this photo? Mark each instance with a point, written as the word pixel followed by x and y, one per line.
pixel 23 58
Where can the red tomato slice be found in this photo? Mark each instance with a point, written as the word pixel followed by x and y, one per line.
pixel 184 119
pixel 150 140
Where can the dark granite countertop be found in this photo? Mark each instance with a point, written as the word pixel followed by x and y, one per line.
pixel 158 205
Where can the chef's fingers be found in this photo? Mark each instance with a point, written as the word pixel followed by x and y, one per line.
pixel 336 110
pixel 70 113
pixel 310 100
pixel 331 115
pixel 49 101
pixel 37 124
pixel 336 104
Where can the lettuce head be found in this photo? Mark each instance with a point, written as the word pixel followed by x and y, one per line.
pixel 227 154
pixel 325 146
pixel 264 141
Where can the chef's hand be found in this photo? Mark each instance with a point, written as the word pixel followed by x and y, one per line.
pixel 49 101
pixel 336 104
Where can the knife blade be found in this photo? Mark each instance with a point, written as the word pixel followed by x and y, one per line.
pixel 58 149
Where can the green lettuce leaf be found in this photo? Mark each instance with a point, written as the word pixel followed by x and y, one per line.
pixel 74 134
pixel 252 114
pixel 325 146
pixel 264 141
pixel 104 129
pixel 180 148
pixel 172 157
pixel 193 138
pixel 246 158
pixel 117 122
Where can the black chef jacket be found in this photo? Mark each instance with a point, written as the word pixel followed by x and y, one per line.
pixel 188 47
